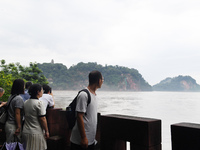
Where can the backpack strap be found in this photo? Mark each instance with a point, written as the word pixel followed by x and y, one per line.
pixel 88 93
pixel 10 101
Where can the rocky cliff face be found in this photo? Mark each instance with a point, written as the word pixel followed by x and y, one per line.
pixel 187 85
pixel 128 84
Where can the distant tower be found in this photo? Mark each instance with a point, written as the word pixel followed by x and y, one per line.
pixel 52 61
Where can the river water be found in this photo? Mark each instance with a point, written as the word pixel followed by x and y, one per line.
pixel 170 107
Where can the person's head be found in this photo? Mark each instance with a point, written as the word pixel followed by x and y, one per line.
pixel 35 91
pixel 17 87
pixel 1 91
pixel 95 78
pixel 28 84
pixel 46 88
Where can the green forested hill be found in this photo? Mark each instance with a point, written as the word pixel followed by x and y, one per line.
pixel 180 83
pixel 76 77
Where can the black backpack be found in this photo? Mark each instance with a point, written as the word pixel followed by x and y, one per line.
pixel 71 109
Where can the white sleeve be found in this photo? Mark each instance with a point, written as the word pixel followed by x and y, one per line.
pixel 41 109
pixel 51 102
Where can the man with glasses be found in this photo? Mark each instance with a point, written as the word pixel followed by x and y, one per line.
pixel 84 131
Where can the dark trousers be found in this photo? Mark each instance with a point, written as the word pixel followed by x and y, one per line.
pixel 78 147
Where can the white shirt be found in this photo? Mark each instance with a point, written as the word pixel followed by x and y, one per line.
pixel 47 100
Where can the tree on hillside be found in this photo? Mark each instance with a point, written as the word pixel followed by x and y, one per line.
pixel 10 72
pixel 56 73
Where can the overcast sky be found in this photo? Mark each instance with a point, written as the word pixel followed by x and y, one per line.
pixel 159 38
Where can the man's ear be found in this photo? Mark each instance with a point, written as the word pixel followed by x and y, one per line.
pixel 99 81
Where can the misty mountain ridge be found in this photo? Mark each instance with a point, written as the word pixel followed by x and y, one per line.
pixel 179 83
pixel 76 77
pixel 116 78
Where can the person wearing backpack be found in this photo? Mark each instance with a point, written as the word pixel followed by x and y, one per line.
pixel 84 132
pixel 15 107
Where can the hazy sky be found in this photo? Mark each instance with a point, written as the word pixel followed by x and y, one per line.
pixel 159 38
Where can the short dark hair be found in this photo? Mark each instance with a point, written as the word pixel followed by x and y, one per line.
pixel 34 89
pixel 17 87
pixel 46 88
pixel 94 77
pixel 28 84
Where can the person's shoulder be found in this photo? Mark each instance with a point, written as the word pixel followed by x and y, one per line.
pixel 83 93
pixel 18 97
pixel 38 103
pixel 46 95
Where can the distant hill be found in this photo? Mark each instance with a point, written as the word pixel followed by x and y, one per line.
pixel 76 77
pixel 180 83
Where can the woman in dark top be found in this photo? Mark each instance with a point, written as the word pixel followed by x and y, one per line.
pixel 15 111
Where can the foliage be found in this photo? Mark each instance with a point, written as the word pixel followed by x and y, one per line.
pixel 57 74
pixel 76 77
pixel 6 83
pixel 10 72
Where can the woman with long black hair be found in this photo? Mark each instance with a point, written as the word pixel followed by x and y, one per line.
pixel 15 111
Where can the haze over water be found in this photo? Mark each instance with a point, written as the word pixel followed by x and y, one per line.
pixel 170 107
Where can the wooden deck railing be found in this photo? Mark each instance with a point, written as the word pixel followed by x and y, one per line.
pixel 113 131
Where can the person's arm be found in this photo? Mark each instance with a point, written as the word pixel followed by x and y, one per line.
pixel 43 123
pixel 3 104
pixel 18 121
pixel 53 99
pixel 80 122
